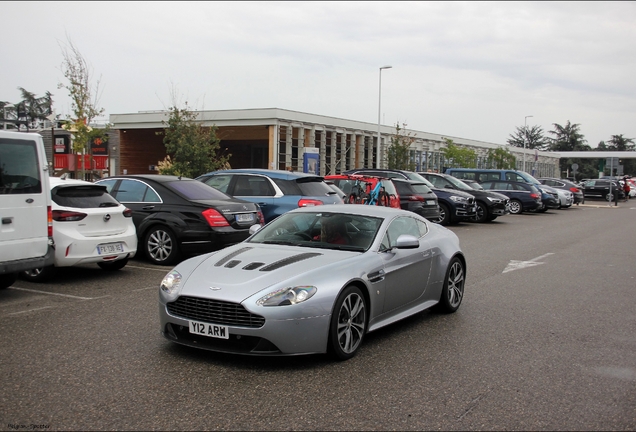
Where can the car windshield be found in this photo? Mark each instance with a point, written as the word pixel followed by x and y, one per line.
pixel 321 230
pixel 458 183
pixel 195 190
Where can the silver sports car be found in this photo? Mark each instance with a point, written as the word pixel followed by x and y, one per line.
pixel 314 280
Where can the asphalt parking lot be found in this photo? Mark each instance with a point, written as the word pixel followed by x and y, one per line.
pixel 544 340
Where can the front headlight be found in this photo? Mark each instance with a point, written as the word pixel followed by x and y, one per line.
pixel 287 296
pixel 459 199
pixel 494 200
pixel 170 284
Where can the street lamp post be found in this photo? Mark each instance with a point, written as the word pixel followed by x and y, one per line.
pixel 377 160
pixel 525 138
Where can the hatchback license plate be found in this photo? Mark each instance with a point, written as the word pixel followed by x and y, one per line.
pixel 430 202
pixel 244 217
pixel 109 249
pixel 209 330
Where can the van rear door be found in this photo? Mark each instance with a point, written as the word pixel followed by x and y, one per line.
pixel 24 200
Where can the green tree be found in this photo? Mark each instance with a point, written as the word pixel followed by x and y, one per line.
pixel 399 151
pixel 192 149
pixel 31 111
pixel 84 97
pixel 458 157
pixel 620 143
pixel 532 138
pixel 568 138
pixel 501 158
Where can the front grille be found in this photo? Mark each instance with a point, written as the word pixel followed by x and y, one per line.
pixel 214 311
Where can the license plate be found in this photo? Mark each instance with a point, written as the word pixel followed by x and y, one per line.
pixel 244 217
pixel 209 330
pixel 110 249
pixel 430 202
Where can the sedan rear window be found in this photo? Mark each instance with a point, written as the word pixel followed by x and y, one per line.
pixel 195 190
pixel 314 188
pixel 83 197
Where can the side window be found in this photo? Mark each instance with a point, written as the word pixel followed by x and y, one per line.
pixel 402 225
pixel 252 186
pixel 219 182
pixel 135 191
pixel 422 227
pixel 435 181
pixel 110 184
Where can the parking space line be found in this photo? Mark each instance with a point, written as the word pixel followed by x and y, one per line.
pixel 149 268
pixel 30 310
pixel 55 294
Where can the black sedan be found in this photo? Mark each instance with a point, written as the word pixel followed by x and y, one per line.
pixel 600 188
pixel 177 217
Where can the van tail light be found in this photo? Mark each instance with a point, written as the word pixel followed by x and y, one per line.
pixel 214 218
pixel 416 198
pixel 534 196
pixel 49 220
pixel 127 212
pixel 67 216
pixel 309 203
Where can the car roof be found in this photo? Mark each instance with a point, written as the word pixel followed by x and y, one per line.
pixel 159 178
pixel 279 174
pixel 61 182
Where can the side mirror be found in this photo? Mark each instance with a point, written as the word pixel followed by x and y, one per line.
pixel 407 241
pixel 254 228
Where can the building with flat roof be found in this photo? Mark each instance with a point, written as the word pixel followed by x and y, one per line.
pixel 278 139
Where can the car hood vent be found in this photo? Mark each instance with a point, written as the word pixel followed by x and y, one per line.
pixel 253 266
pixel 232 264
pixel 230 256
pixel 286 261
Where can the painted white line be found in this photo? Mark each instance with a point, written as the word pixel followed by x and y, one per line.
pixel 149 268
pixel 516 265
pixel 30 310
pixel 55 294
pixel 144 289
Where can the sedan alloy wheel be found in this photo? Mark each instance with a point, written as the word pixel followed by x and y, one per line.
pixel 161 246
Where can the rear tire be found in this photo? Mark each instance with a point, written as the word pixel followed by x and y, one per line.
pixel 453 291
pixel 113 265
pixel 160 246
pixel 515 206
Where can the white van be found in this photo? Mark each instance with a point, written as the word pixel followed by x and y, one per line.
pixel 26 229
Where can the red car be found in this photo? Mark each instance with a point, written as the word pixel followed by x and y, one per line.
pixel 361 189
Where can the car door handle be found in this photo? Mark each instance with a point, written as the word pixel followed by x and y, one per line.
pixel 150 207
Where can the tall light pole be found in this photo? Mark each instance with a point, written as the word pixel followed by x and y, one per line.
pixel 377 159
pixel 525 138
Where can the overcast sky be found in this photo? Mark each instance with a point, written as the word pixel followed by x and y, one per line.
pixel 472 70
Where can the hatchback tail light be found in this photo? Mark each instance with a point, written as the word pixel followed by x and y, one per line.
pixel 67 216
pixel 534 196
pixel 574 190
pixel 261 218
pixel 416 198
pixel 214 218
pixel 309 202
pixel 127 213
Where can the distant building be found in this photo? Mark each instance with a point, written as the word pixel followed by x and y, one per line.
pixel 277 139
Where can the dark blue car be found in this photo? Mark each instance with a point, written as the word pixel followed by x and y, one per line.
pixel 276 192
pixel 523 196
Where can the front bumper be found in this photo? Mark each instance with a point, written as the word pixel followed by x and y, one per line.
pixel 275 338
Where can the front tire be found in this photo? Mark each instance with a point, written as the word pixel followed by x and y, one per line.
pixel 348 323
pixel 453 291
pixel 41 274
pixel 160 246
pixel 444 215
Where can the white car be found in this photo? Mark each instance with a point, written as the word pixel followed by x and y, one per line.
pixel 89 226
pixel 566 198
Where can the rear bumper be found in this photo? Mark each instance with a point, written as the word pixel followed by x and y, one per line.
pixel 28 263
